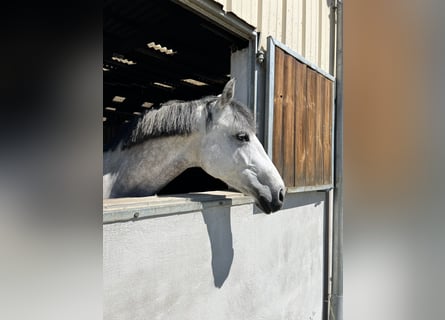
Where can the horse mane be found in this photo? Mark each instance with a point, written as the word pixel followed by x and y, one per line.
pixel 177 117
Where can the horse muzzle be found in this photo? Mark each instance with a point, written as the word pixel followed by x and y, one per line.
pixel 269 206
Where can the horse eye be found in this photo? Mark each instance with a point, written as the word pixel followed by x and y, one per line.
pixel 242 136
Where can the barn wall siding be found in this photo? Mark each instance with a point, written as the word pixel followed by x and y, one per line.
pixel 303 25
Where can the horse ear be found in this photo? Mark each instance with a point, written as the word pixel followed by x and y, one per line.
pixel 228 92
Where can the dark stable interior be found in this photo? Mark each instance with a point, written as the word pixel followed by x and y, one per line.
pixel 155 51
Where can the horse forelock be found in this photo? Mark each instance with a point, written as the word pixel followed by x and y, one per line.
pixel 242 116
pixel 180 118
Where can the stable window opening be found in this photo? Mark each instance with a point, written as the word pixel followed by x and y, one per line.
pixel 157 51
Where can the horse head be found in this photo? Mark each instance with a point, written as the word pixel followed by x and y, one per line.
pixel 230 151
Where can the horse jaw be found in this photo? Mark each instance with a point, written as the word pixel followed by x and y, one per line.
pixel 250 171
pixel 265 186
pixel 267 190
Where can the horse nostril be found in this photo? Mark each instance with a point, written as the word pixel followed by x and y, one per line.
pixel 281 195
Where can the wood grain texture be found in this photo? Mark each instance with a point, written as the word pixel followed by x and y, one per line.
pixel 302 132
pixel 288 120
pixel 300 122
pixel 319 116
pixel 327 132
pixel 310 121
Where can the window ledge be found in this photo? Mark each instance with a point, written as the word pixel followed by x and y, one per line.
pixel 128 209
pixel 325 187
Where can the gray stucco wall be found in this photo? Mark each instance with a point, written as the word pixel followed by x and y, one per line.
pixel 228 262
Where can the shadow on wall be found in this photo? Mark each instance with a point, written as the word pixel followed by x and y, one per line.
pixel 219 229
pixel 220 236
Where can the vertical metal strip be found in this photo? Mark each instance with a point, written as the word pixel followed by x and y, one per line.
pixel 270 88
pixel 253 93
pixel 337 239
pixel 333 124
pixel 326 255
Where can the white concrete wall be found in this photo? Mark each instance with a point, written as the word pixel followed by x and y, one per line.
pixel 217 263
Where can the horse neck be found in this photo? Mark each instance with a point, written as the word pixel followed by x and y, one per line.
pixel 169 154
pixel 151 165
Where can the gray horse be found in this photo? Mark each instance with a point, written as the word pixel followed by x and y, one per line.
pixel 215 133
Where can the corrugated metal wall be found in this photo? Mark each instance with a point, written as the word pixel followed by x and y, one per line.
pixel 303 25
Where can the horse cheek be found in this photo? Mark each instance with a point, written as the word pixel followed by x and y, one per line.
pixel 211 156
